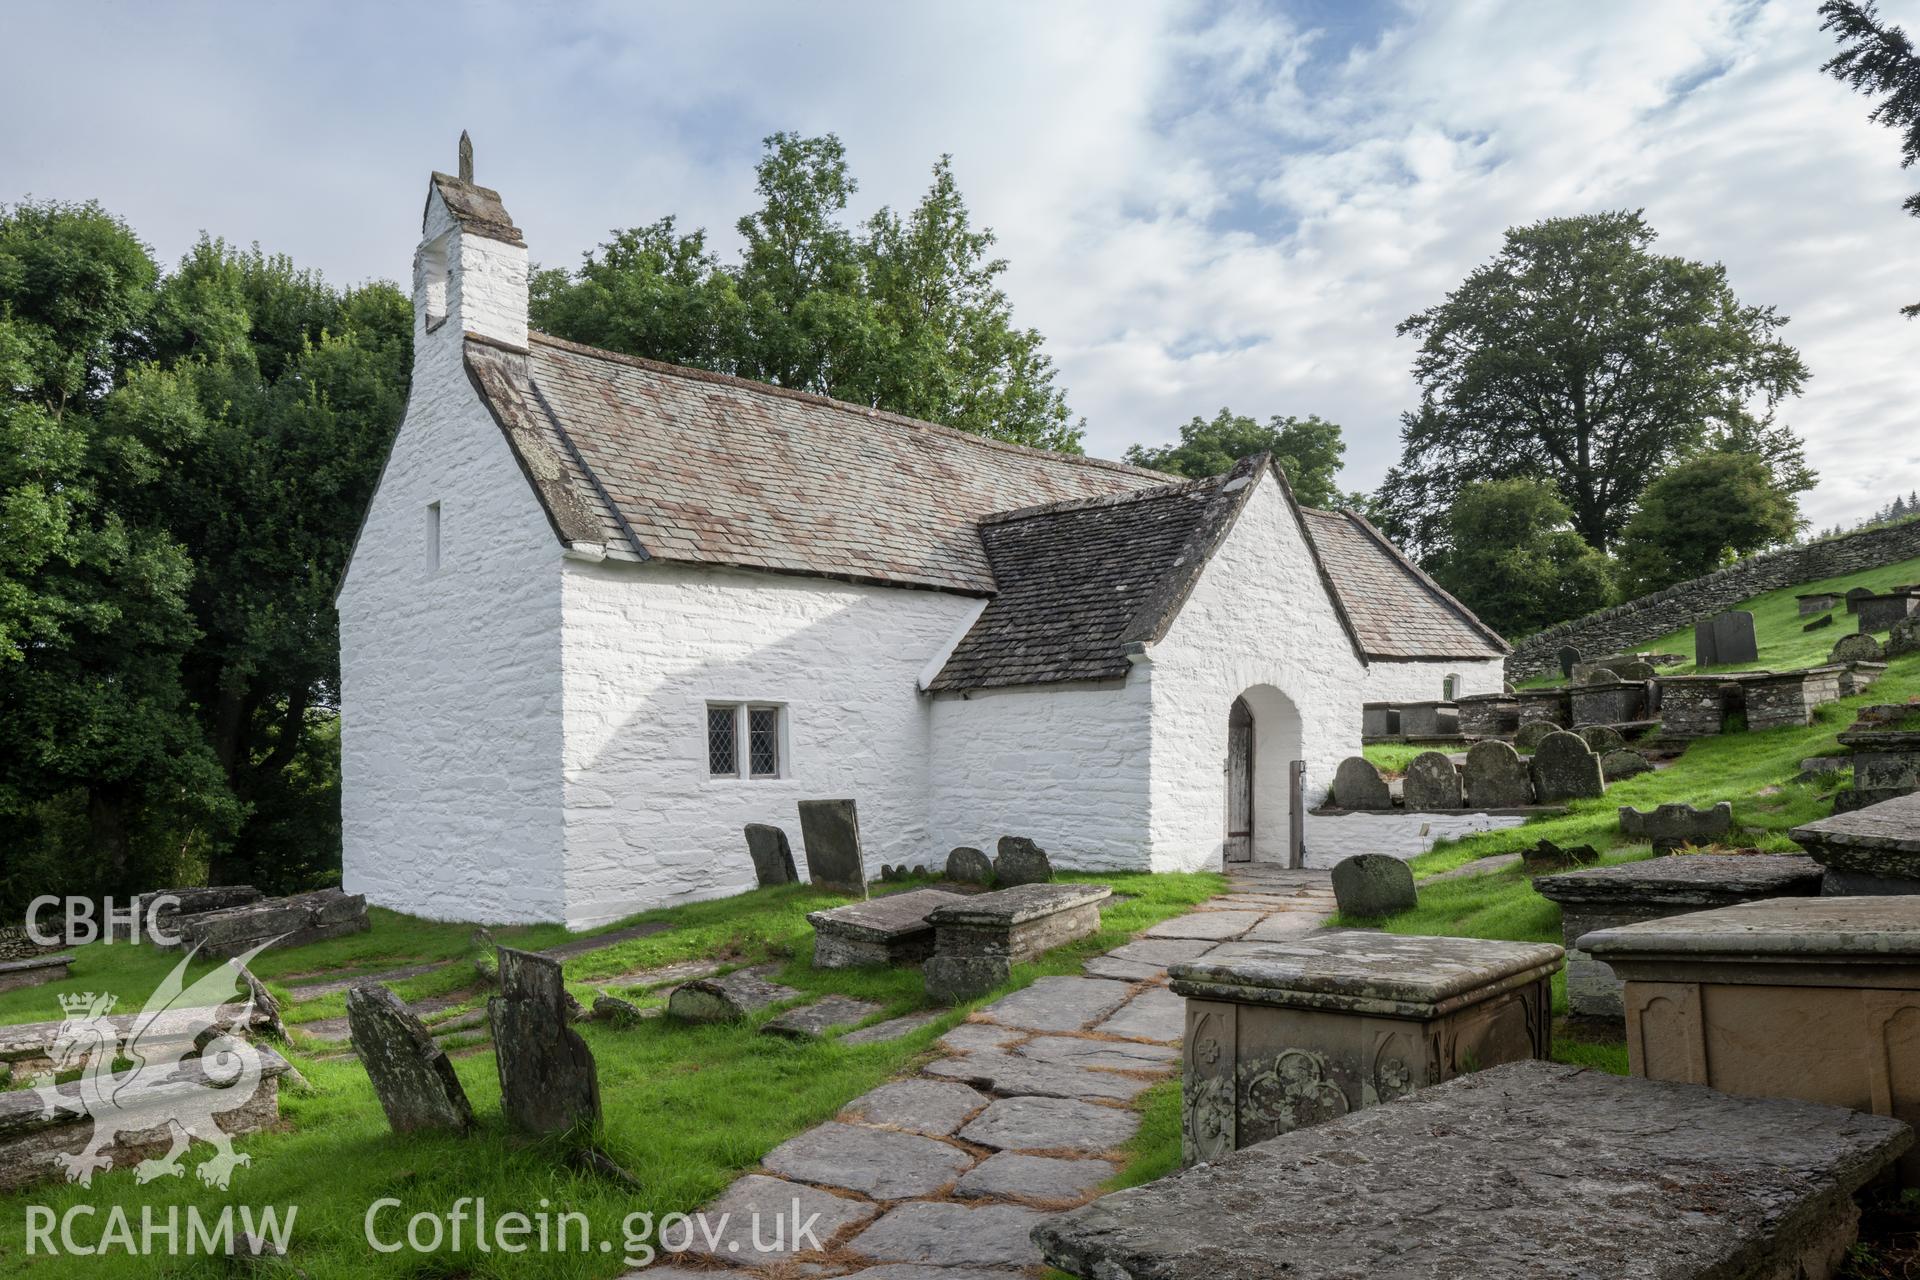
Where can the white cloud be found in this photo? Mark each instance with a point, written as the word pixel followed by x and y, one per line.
pixel 1204 205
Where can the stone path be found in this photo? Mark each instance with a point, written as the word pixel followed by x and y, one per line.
pixel 942 1176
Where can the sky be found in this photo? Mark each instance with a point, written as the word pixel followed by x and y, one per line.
pixel 1203 204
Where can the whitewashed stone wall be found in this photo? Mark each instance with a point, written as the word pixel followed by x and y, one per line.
pixel 1426 681
pixel 1259 619
pixel 450 678
pixel 1065 765
pixel 1331 837
pixel 647 647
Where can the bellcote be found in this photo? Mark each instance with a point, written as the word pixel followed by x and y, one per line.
pixel 470 271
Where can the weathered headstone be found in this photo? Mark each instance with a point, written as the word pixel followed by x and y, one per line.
pixel 1379 719
pixel 1431 783
pixel 1564 768
pixel 1621 763
pixel 1874 849
pixel 772 855
pixel 969 865
pixel 1855 596
pixel 1568 657
pixel 616 1012
pixel 1879 613
pixel 1598 675
pixel 728 998
pixel 812 1021
pixel 548 1082
pixel 830 830
pixel 980 937
pixel 1533 733
pixel 1725 638
pixel 1358 785
pixel 411 1074
pixel 287 922
pixel 1816 602
pixel 1820 623
pixel 890 931
pixel 1856 648
pixel 1020 861
pixel 1635 670
pixel 1903 637
pixel 1369 885
pixel 1602 738
pixel 1672 825
pixel 1548 857
pixel 1495 777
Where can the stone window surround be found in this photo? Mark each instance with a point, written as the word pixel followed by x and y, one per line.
pixel 742 746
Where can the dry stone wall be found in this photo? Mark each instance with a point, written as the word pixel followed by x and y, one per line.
pixel 1650 617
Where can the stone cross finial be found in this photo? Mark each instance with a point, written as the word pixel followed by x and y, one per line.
pixel 466 157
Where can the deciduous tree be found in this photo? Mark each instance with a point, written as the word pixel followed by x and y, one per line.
pixel 1879 60
pixel 1310 450
pixel 1514 558
pixel 1701 513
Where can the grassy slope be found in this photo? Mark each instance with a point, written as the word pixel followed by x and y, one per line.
pixel 687 1108
pixel 1777 624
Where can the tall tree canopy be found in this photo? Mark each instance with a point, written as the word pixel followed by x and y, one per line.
pixel 185 460
pixel 1513 558
pixel 1308 449
pixel 1701 513
pixel 1878 59
pixel 1579 356
pixel 903 312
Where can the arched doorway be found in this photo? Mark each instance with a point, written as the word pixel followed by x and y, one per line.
pixel 1262 777
pixel 1239 846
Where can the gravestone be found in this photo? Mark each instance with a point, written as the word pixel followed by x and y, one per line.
pixel 1568 657
pixel 1564 768
pixel 1432 783
pixel 1816 602
pixel 980 937
pixel 1602 738
pixel 1725 638
pixel 728 998
pixel 1358 785
pixel 1856 648
pixel 1855 596
pixel 1533 733
pixel 1495 777
pixel 1019 860
pixel 1369 885
pixel 1597 675
pixel 1636 670
pixel 1870 850
pixel 1879 613
pixel 1621 763
pixel 616 1012
pixel 548 1082
pixel 1548 857
pixel 969 866
pixel 772 855
pixel 891 931
pixel 1903 637
pixel 411 1074
pixel 830 830
pixel 1673 825
pixel 1379 719
pixel 1820 623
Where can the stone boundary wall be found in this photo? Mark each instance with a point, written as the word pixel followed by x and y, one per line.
pixel 1683 604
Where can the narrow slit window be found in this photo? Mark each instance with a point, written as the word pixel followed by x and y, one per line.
pixel 763 741
pixel 723 746
pixel 433 536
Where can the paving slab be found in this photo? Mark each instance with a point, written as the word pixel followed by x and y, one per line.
pixel 1059 1004
pixel 947 1234
pixel 1154 1014
pixel 1285 926
pixel 812 1021
pixel 757 1196
pixel 881 1163
pixel 1530 1169
pixel 1217 925
pixel 1161 952
pixel 1122 970
pixel 1050 1124
pixel 1109 1055
pixel 1016 1076
pixel 892 1028
pixel 915 1271
pixel 935 1107
pixel 660 975
pixel 1012 1176
pixel 969 1036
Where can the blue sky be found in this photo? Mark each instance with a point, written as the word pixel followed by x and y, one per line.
pixel 1204 204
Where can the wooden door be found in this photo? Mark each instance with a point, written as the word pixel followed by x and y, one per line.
pixel 1240 782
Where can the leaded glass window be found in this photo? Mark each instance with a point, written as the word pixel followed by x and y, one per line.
pixel 723 748
pixel 763 741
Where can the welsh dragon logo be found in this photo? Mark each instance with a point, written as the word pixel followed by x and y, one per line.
pixel 162 1074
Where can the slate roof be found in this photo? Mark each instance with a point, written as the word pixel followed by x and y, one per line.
pixel 477 209
pixel 1080 582
pixel 1082 557
pixel 684 465
pixel 1397 609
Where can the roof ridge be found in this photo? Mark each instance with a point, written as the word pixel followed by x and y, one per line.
pixel 756 387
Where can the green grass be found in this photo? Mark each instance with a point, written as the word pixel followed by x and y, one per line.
pixel 1392 757
pixel 687 1109
pixel 1154 1151
pixel 1778 626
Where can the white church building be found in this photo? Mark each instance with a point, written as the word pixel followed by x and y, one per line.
pixel 604 612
